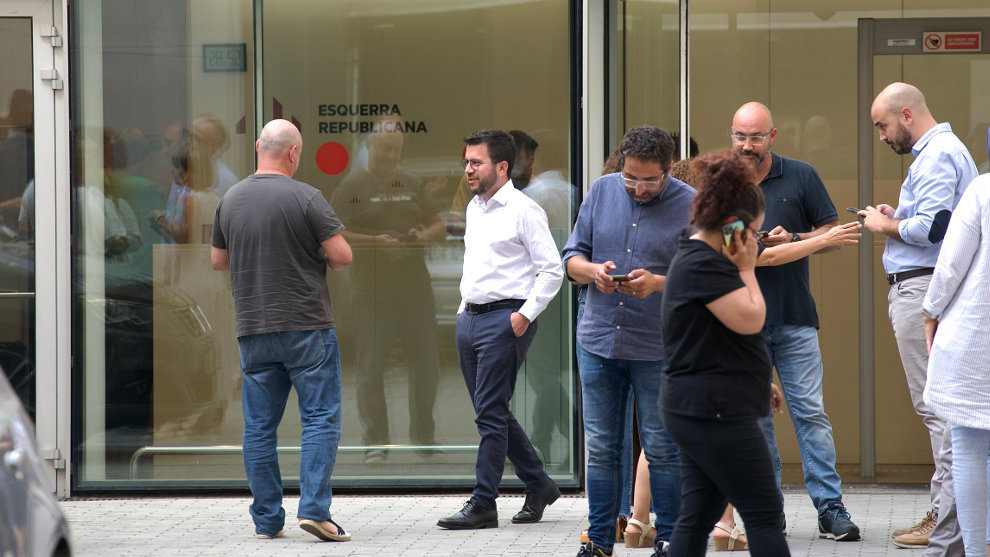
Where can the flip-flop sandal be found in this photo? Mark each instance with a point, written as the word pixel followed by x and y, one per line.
pixel 317 529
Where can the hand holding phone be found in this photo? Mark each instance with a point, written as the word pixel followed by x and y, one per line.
pixel 727 230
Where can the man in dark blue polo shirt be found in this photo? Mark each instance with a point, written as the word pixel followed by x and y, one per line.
pixel 798 208
pixel 625 236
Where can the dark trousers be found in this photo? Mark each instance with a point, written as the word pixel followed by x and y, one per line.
pixel 490 355
pixel 724 462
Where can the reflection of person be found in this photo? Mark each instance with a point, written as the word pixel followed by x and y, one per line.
pixel 208 133
pixel 16 158
pixel 271 225
pixel 716 387
pixel 956 326
pixel 549 189
pixel 188 217
pixel 799 209
pixel 511 272
pixel 941 171
pixel 387 212
pixel 618 347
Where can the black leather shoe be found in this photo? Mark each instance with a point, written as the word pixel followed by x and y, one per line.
pixel 471 517
pixel 532 510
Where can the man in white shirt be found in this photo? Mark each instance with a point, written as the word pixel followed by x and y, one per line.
pixel 511 272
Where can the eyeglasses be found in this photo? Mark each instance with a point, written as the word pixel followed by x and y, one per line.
pixel 474 164
pixel 648 185
pixel 740 139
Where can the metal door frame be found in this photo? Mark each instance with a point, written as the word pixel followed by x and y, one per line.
pixel 884 37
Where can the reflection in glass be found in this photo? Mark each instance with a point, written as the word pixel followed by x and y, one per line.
pixel 17 212
pixel 390 220
pixel 157 141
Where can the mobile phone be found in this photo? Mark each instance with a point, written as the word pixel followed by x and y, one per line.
pixel 620 278
pixel 853 209
pixel 761 235
pixel 727 234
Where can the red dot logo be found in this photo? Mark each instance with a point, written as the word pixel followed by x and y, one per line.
pixel 332 158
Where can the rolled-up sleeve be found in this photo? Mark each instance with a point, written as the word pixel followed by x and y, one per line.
pixel 935 186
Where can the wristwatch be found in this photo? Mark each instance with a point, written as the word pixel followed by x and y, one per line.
pixel 795 237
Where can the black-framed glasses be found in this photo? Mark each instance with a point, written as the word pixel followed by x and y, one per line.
pixel 474 164
pixel 757 139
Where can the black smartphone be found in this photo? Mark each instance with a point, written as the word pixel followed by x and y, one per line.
pixel 853 209
pixel 761 235
pixel 727 234
pixel 620 278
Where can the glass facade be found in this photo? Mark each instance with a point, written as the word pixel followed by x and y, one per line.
pixel 801 61
pixel 17 218
pixel 168 99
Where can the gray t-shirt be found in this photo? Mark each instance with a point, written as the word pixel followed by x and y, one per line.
pixel 272 227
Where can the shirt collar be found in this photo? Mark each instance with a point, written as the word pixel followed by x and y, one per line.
pixel 923 140
pixel 501 196
pixel 776 167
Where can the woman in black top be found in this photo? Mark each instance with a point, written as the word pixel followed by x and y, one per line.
pixel 717 383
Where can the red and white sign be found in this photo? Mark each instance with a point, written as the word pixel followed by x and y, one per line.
pixel 957 41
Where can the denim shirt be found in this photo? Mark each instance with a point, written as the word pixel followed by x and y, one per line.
pixel 936 180
pixel 611 226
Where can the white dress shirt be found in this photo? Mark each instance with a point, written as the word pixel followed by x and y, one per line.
pixel 958 386
pixel 509 253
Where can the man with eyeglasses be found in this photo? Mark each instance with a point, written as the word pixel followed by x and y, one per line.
pixel 798 208
pixel 511 272
pixel 623 242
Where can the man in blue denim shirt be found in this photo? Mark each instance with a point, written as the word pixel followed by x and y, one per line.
pixel 936 180
pixel 277 236
pixel 628 225
pixel 798 208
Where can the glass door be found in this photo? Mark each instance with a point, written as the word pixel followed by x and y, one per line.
pixel 956 85
pixel 34 348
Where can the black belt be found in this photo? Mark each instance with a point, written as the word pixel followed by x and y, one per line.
pixel 894 278
pixel 475 309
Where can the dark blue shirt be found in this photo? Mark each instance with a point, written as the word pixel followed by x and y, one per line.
pixel 611 226
pixel 797 200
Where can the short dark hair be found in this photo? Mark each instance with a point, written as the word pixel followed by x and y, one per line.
pixel 501 146
pixel 646 143
pixel 726 187
pixel 523 140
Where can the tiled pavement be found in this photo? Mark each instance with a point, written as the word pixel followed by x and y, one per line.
pixel 406 525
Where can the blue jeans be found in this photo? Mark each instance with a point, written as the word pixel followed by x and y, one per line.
pixel 604 387
pixel 271 364
pixel 626 472
pixel 795 354
pixel 970 455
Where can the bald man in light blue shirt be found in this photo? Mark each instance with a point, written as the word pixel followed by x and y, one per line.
pixel 936 180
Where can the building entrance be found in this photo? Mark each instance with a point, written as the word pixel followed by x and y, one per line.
pixel 948 59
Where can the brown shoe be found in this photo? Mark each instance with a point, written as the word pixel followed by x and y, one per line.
pixel 930 517
pixel 917 539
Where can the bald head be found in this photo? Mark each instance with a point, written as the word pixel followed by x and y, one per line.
pixel 901 116
pixel 753 135
pixel 279 148
pixel 753 114
pixel 901 95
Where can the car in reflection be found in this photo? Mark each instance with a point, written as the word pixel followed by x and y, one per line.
pixel 31 522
